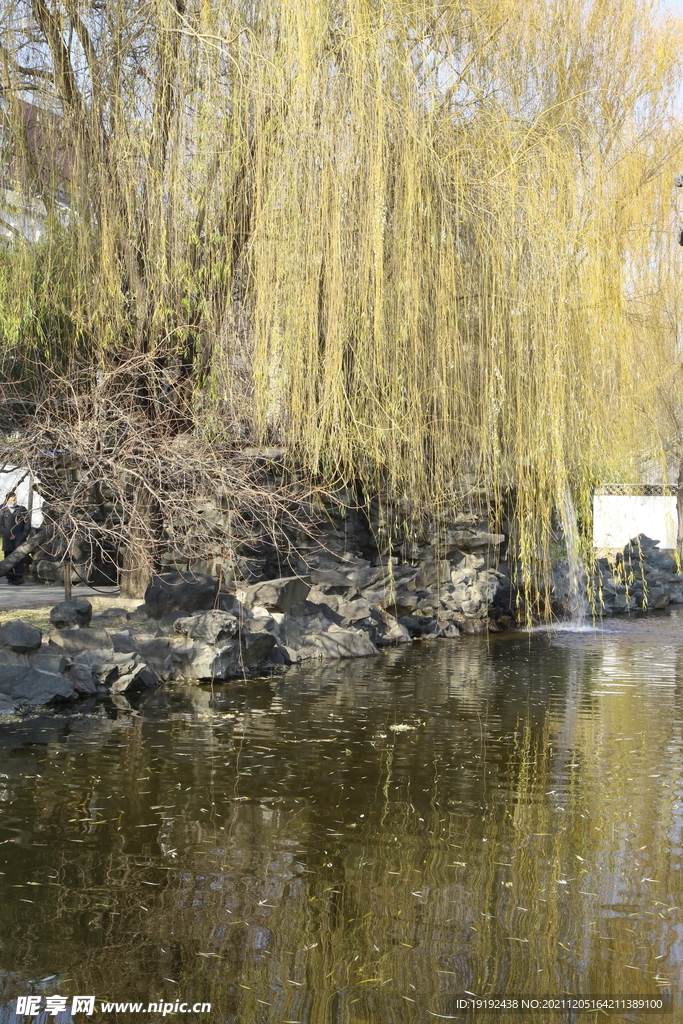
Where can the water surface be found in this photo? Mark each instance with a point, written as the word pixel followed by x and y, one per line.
pixel 362 842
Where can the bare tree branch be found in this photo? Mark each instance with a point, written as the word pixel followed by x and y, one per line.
pixel 26 548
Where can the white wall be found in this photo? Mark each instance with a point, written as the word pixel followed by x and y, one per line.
pixel 619 517
pixel 19 480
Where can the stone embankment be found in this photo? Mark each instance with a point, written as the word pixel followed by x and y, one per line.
pixel 639 578
pixel 187 630
pixel 344 607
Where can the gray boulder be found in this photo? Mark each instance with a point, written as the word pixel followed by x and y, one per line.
pixel 87 638
pixel 71 614
pixel 287 595
pixel 332 581
pixel 124 643
pixel 229 603
pixel 156 651
pixel 211 627
pixel 48 571
pixel 29 686
pixel 44 662
pixel 455 541
pixel 283 655
pixel 658 597
pixel 642 545
pixel 256 647
pixel 82 679
pixel 193 660
pixel 180 591
pixel 364 575
pixel 353 611
pixel 337 643
pixel 405 602
pixel 116 672
pixel 391 631
pixel 134 675
pixel 111 617
pixel 621 604
pixel 20 636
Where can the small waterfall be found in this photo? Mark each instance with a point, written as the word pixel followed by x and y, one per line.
pixel 577 600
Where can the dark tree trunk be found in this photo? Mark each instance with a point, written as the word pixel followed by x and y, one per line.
pixel 141 553
pixel 679 510
pixel 26 548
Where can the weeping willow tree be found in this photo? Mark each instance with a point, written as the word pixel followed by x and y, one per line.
pixel 422 244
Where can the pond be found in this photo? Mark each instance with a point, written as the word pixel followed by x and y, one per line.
pixel 370 841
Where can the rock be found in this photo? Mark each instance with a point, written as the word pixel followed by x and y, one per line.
pixel 124 643
pixel 230 603
pixel 87 638
pixel 116 672
pixel 323 605
pixel 111 617
pixel 392 632
pixel 332 581
pixel 70 614
pixel 621 604
pixel 211 627
pixel 338 643
pixel 256 648
pixel 193 660
pixel 157 652
pixel 404 602
pixel 44 662
pixel 641 545
pixel 48 571
pixel 82 678
pixel 657 598
pixel 20 636
pixel 283 655
pixel 454 541
pixel 433 573
pixel 365 576
pixel 7 707
pixel 135 676
pixel 282 595
pixel 176 591
pixel 29 686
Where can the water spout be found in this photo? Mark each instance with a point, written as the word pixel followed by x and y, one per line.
pixel 576 598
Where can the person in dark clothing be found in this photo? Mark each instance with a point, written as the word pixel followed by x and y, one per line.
pixel 14 526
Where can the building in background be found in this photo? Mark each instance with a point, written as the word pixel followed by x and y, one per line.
pixel 35 168
pixel 23 482
pixel 622 511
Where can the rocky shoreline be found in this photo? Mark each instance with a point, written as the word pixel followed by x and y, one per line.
pixel 189 630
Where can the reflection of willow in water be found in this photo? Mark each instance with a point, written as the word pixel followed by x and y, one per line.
pixel 286 854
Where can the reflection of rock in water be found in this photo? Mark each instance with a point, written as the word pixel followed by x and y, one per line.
pixel 289 834
pixel 8 1016
pixel 14 984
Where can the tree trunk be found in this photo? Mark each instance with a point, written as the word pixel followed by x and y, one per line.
pixel 26 548
pixel 140 555
pixel 679 510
